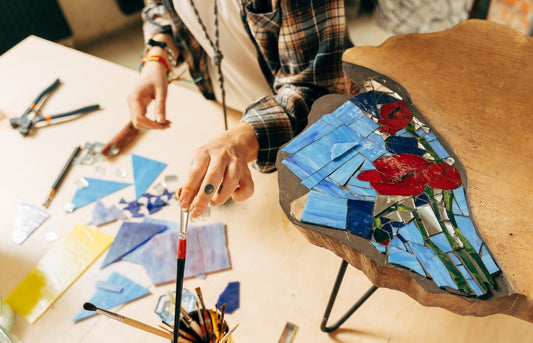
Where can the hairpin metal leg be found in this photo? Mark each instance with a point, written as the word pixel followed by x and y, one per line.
pixel 333 296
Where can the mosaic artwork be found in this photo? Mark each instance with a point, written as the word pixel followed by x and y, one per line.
pixel 375 170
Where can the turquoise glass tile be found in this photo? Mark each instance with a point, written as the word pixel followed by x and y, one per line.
pixel 311 134
pixel 460 198
pixel 348 113
pixel 488 260
pixel 439 149
pixel 403 258
pixel 411 233
pixel 364 126
pixel 345 172
pixel 467 229
pixel 329 187
pixel 442 242
pixel 381 248
pixel 331 119
pixel 323 209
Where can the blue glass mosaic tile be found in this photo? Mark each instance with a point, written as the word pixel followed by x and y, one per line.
pixel 328 186
pixel 403 258
pixel 439 149
pixel 381 248
pixel 323 209
pixel 467 229
pixel 364 126
pixel 331 119
pixel 327 169
pixel 348 113
pixel 460 201
pixel 345 172
pixel 315 131
pixel 403 145
pixel 442 242
pixel 359 218
pixel 411 233
pixel 488 261
pixel 340 149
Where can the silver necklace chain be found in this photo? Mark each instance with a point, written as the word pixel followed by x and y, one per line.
pixel 217 58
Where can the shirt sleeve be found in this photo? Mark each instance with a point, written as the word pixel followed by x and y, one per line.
pixel 310 38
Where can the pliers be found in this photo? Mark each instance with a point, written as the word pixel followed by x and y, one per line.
pixel 32 115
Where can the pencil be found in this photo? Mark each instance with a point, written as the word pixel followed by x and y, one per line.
pixel 61 176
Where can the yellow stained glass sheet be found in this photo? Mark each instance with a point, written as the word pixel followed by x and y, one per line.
pixel 57 270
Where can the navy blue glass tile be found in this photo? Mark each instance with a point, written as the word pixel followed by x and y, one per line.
pixel 403 145
pixel 359 219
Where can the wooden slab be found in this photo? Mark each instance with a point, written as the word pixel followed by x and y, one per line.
pixel 471 85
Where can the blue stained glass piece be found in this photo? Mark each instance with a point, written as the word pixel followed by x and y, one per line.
pixel 421 133
pixel 442 242
pixel 381 248
pixel 411 233
pixel 421 200
pixel 354 181
pixel 364 126
pixel 433 265
pixel 107 300
pixel 230 297
pixel 344 172
pixel 145 171
pixel 488 260
pixel 397 224
pixel 475 287
pixel 370 150
pixel 404 133
pixel 311 134
pixel 439 149
pixel 324 209
pixel 294 164
pixel 331 119
pixel 401 145
pixel 387 228
pixel 460 197
pixel 454 259
pixel 430 137
pixel 403 258
pixel 359 218
pixel 348 113
pixel 327 169
pixel 97 189
pixel 367 101
pixel 397 242
pixel 339 149
pixel 468 230
pixel 464 272
pixel 377 139
pixel 362 191
pixel 328 186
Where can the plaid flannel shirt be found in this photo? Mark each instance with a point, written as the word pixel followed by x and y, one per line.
pixel 299 46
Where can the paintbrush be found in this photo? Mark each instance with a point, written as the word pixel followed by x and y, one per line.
pixel 128 321
pixel 182 251
pixel 227 336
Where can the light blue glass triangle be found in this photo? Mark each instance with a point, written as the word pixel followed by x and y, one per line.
pixel 97 189
pixel 145 171
pixel 106 300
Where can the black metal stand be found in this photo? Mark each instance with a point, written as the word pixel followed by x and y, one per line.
pixel 333 296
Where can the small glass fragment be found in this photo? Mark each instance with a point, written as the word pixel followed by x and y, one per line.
pixel 121 172
pixel 69 207
pixel 171 178
pixel 100 170
pixel 82 183
pixel 160 187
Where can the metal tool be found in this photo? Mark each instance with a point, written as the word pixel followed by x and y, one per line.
pixel 32 114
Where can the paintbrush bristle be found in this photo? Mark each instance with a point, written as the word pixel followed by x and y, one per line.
pixel 89 307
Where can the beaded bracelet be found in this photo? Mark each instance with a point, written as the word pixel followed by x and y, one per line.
pixel 156 58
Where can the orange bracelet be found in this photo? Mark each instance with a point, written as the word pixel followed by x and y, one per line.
pixel 156 58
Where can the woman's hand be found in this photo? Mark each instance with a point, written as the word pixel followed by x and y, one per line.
pixel 152 85
pixel 220 169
